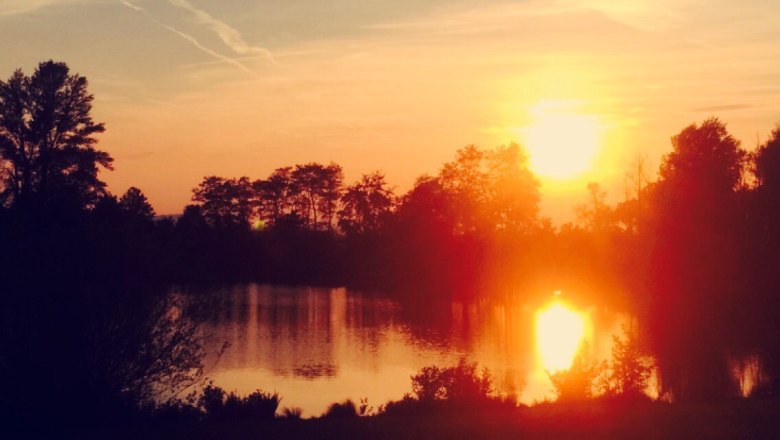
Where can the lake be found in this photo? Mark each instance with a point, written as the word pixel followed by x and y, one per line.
pixel 316 346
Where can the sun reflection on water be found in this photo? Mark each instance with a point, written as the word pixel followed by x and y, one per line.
pixel 560 331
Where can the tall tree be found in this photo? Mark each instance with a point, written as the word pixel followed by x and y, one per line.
pixel 226 203
pixel 427 206
pixel 366 204
pixel 317 191
pixel 764 303
pixel 596 215
pixel 631 366
pixel 693 233
pixel 513 189
pixel 465 181
pixel 276 195
pixel 767 164
pixel 134 202
pixel 47 143
pixel 490 190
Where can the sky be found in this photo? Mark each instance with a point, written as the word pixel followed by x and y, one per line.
pixel 190 88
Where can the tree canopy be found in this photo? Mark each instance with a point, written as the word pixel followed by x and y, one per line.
pixel 47 137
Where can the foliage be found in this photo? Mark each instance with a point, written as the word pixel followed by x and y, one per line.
pixel 317 192
pixel 276 195
pixel 442 390
pixel 513 189
pixel 693 270
pixel 461 382
pixel 124 351
pixel 293 413
pixel 767 161
pixel 705 157
pixel 134 202
pixel 630 367
pixel 149 353
pixel 47 143
pixel 341 410
pixel 596 215
pixel 222 406
pixel 490 190
pixel 579 381
pixel 366 204
pixel 227 203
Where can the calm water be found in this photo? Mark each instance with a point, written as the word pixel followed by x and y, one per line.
pixel 315 346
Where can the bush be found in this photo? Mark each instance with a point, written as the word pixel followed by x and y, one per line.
pixel 459 383
pixel 450 389
pixel 579 381
pixel 631 366
pixel 219 405
pixel 293 413
pixel 343 410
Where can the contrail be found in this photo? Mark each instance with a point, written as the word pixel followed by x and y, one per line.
pixel 132 6
pixel 229 35
pixel 189 38
pixel 233 40
pixel 217 55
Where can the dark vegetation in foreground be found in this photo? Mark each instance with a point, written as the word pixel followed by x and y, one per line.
pixel 453 402
pixel 88 332
pixel 601 419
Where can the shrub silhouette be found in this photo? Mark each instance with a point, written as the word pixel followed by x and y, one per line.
pixel 293 413
pixel 341 410
pixel 630 367
pixel 578 382
pixel 459 383
pixel 450 389
pixel 219 405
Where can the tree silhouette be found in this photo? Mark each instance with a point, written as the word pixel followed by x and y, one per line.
pixel 577 382
pixel 366 204
pixel 317 190
pixel 705 158
pixel 763 323
pixel 513 190
pixel 192 220
pixel 694 263
pixel 465 182
pixel 767 163
pixel 427 206
pixel 227 203
pixel 458 383
pixel 134 202
pixel 276 195
pixel 47 136
pixel 630 367
pixel 596 215
pixel 480 191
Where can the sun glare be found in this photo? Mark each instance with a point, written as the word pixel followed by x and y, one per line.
pixel 559 334
pixel 561 142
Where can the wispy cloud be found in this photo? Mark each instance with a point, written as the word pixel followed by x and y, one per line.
pixel 229 35
pixel 14 7
pixel 189 38
pixel 132 6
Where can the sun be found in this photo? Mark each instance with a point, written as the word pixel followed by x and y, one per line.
pixel 560 331
pixel 561 143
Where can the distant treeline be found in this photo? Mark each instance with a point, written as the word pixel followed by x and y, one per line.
pixel 694 253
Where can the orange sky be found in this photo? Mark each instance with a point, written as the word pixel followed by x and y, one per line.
pixel 189 88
